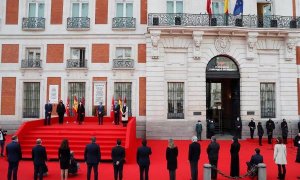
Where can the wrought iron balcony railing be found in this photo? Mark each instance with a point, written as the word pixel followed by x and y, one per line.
pixel 76 63
pixel 123 64
pixel 33 23
pixel 31 63
pixel 250 21
pixel 78 23
pixel 123 23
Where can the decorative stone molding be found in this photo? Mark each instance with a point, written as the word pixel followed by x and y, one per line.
pixel 155 36
pixel 197 37
pixel 251 45
pixel 291 41
pixel 222 44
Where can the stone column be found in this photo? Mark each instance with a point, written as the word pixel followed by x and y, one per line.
pixel 262 171
pixel 206 171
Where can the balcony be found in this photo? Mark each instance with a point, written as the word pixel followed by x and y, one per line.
pixel 123 64
pixel 31 63
pixel 76 64
pixel 33 23
pixel 248 21
pixel 121 23
pixel 78 23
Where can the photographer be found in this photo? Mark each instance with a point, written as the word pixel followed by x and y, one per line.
pixel 2 140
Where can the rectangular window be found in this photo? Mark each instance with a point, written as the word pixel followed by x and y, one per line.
pixel 124 9
pixel 80 9
pixel 33 54
pixel 175 100
pixel 78 55
pixel 122 90
pixel 218 7
pixel 31 100
pixel 36 9
pixel 267 100
pixel 174 6
pixel 264 9
pixel 76 89
pixel 123 53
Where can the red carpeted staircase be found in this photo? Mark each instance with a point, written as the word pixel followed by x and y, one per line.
pixel 78 135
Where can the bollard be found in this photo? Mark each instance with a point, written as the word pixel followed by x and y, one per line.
pixel 262 171
pixel 206 172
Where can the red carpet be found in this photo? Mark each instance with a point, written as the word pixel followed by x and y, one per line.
pixel 158 164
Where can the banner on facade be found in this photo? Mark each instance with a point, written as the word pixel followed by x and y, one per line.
pixel 99 93
pixel 53 94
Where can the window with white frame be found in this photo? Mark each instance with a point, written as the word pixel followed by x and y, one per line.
pixel 124 9
pixel 217 6
pixel 33 53
pixel 175 100
pixel 31 100
pixel 78 56
pixel 80 9
pixel 174 6
pixel 267 100
pixel 36 9
pixel 123 53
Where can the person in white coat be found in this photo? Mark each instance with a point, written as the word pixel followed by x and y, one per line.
pixel 124 115
pixel 280 158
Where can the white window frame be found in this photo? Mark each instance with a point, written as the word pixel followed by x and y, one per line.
pixel 124 2
pixel 123 53
pixel 37 9
pixel 80 2
pixel 35 50
pixel 175 5
pixel 79 49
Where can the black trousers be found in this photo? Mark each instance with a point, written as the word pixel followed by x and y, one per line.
pixel 284 139
pixel 270 137
pixel 213 162
pixel 144 170
pixel 117 118
pixel 60 118
pixel 2 143
pixel 118 171
pixel 259 140
pixel 172 174
pixel 89 170
pixel 251 133
pixel 199 135
pixel 38 171
pixel 194 170
pixel 12 170
pixel 100 119
pixel 281 174
pixel 47 119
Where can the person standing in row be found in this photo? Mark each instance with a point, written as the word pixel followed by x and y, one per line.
pixel 117 113
pixel 284 130
pixel 39 157
pixel 2 140
pixel 280 158
pixel 252 127
pixel 213 155
pixel 299 126
pixel 64 156
pixel 124 115
pixel 194 155
pixel 143 159
pixel 270 128
pixel 48 111
pixel 297 144
pixel 100 111
pixel 238 127
pixel 199 130
pixel 92 157
pixel 171 156
pixel 260 133
pixel 14 155
pixel 118 158
pixel 60 110
pixel 81 113
pixel 235 159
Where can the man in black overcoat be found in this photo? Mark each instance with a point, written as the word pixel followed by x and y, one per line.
pixel 284 130
pixel 39 157
pixel 213 155
pixel 14 155
pixel 117 113
pixel 238 127
pixel 118 158
pixel 143 159
pixel 252 127
pixel 194 155
pixel 48 111
pixel 81 113
pixel 92 157
pixel 270 125
pixel 61 110
pixel 100 111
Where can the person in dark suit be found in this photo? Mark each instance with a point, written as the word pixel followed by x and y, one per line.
pixel 235 159
pixel 64 156
pixel 198 130
pixel 100 110
pixel 2 140
pixel 14 155
pixel 194 154
pixel 284 130
pixel 81 113
pixel 117 113
pixel 171 156
pixel 238 127
pixel 270 125
pixel 118 158
pixel 92 157
pixel 48 111
pixel 39 157
pixel 299 126
pixel 255 160
pixel 213 155
pixel 61 110
pixel 143 159
pixel 297 144
pixel 260 133
pixel 252 127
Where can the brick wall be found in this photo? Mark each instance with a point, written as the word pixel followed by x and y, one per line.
pixel 8 96
pixel 142 53
pixel 12 11
pixel 144 12
pixel 55 53
pixel 101 11
pixel 56 11
pixel 142 96
pixel 100 53
pixel 10 53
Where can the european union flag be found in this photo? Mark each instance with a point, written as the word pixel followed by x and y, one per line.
pixel 238 9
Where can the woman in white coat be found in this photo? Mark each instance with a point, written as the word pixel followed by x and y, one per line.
pixel 124 115
pixel 280 158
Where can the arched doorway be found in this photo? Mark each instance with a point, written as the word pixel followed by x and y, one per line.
pixel 222 93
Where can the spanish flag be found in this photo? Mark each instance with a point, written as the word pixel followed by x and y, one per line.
pixel 75 104
pixel 120 104
pixel 226 3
